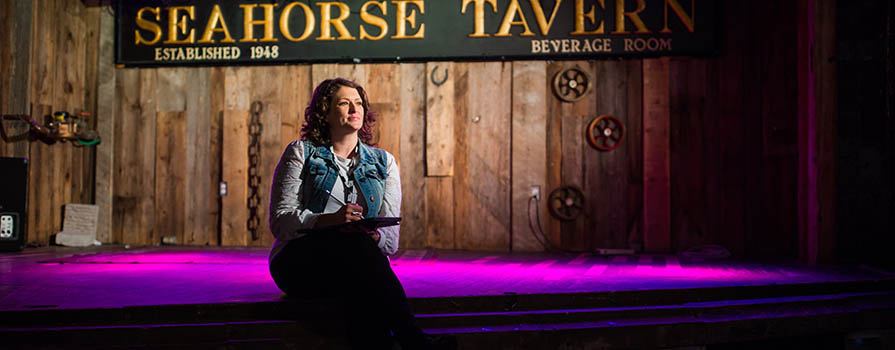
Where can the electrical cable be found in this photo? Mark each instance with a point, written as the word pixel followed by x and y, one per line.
pixel 546 243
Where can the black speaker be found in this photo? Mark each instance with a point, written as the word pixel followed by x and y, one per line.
pixel 13 198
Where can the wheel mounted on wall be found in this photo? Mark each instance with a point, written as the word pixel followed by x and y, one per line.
pixel 605 132
pixel 571 84
pixel 566 203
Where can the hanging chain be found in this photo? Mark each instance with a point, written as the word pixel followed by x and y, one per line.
pixel 254 222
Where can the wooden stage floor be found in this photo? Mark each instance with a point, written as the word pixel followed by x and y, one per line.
pixel 452 291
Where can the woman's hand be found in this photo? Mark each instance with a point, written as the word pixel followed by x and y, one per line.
pixel 348 213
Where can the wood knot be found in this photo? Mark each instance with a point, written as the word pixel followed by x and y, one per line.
pixel 68 87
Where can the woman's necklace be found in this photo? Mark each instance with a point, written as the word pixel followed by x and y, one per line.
pixel 348 179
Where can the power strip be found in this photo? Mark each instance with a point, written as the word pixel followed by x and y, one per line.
pixel 7 228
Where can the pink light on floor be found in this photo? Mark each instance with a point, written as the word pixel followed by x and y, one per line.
pixel 430 278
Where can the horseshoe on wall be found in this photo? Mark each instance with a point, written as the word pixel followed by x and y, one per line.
pixel 432 76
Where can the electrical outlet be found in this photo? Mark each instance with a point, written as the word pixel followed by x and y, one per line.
pixel 6 226
pixel 536 192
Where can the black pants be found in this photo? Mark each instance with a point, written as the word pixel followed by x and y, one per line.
pixel 350 266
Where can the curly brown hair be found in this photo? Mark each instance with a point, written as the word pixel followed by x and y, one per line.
pixel 316 126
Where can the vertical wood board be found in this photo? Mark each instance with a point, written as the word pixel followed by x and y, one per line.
pixel 656 163
pixel 440 121
pixel 134 191
pixel 105 118
pixel 234 213
pixel 217 105
pixel 411 162
pixel 170 173
pixel 200 191
pixel 265 83
pixel 296 90
pixel 439 213
pixel 385 102
pixel 529 154
pixel 607 174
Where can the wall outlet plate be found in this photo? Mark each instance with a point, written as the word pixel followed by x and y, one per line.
pixel 7 226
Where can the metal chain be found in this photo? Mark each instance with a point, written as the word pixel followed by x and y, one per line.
pixel 254 200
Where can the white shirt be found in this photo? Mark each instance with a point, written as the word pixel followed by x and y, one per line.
pixel 287 216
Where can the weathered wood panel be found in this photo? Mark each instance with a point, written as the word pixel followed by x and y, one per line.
pixel 354 72
pixel 611 181
pixel 217 105
pixel 440 231
pixel 43 157
pixel 440 154
pixel 556 158
pixel 529 154
pixel 234 154
pixel 104 117
pixel 440 120
pixel 656 162
pixel 43 64
pixel 695 159
pixel 265 89
pixel 234 213
pixel 200 191
pixel 171 176
pixel 386 99
pixel 412 165
pixel 69 93
pixel 715 97
pixel 297 92
pixel 170 152
pixel 565 150
pixel 632 147
pixel 15 54
pixel 134 191
pixel 482 165
pixel 40 170
pixel 460 157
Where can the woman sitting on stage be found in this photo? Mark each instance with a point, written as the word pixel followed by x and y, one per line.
pixel 332 177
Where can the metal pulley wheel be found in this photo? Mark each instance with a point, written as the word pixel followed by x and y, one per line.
pixel 566 203
pixel 605 132
pixel 571 84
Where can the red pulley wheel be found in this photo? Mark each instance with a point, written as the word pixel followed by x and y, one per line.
pixel 605 132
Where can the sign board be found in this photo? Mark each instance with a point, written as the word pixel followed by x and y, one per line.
pixel 177 32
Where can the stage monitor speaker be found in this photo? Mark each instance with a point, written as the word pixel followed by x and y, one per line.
pixel 13 198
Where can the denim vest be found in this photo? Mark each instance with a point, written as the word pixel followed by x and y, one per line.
pixel 320 173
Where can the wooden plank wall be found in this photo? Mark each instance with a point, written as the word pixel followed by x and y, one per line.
pixel 469 149
pixel 45 67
